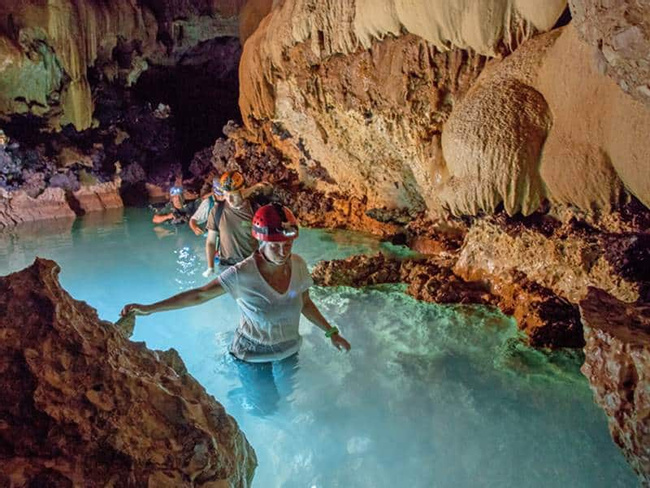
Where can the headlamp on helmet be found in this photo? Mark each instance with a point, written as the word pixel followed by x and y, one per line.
pixel 216 187
pixel 176 190
pixel 274 223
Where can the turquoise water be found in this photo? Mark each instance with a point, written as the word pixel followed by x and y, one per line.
pixel 429 396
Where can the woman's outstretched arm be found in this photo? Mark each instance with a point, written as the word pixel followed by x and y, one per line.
pixel 188 298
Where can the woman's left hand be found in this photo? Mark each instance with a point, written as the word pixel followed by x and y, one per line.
pixel 339 342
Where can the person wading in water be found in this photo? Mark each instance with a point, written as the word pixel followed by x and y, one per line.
pixel 271 288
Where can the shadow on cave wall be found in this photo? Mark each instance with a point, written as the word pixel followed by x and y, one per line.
pixel 202 91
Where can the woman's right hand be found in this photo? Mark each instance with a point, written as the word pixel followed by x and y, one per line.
pixel 135 309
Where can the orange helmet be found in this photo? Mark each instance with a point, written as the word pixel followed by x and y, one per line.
pixel 231 181
pixel 274 223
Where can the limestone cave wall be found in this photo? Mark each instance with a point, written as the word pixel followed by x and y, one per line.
pixel 461 106
pixel 47 47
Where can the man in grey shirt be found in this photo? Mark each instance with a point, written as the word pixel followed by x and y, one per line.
pixel 230 221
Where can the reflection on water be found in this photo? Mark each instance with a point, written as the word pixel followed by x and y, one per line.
pixel 429 395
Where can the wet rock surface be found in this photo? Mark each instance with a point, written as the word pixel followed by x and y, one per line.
pixel 83 406
pixel 617 364
pixel 566 258
pixel 18 207
pixel 546 319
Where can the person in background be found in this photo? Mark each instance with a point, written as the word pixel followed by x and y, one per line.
pixel 211 196
pixel 271 288
pixel 177 210
pixel 230 222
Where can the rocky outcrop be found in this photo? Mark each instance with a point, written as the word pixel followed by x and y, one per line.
pixel 98 197
pixel 565 258
pixel 620 31
pixel 83 406
pixel 546 319
pixel 45 74
pixel 617 364
pixel 18 207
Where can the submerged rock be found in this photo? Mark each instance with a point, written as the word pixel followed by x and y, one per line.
pixel 83 406
pixel 617 365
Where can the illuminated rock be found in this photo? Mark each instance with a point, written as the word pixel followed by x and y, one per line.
pixel 98 197
pixel 546 319
pixel 559 257
pixel 620 31
pixel 83 406
pixel 362 88
pixel 18 207
pixel 405 108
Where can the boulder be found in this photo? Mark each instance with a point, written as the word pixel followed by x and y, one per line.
pixel 84 406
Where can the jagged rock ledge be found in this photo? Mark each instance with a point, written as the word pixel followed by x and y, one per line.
pixel 617 365
pixel 18 207
pixel 548 320
pixel 83 406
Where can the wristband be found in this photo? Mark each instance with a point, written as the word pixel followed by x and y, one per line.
pixel 331 331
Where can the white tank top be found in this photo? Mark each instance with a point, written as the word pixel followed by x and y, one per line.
pixel 267 317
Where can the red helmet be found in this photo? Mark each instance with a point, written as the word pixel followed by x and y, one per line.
pixel 274 223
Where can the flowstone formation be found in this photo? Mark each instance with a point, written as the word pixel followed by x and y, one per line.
pixel 363 88
pixel 83 406
pixel 467 109
pixel 618 367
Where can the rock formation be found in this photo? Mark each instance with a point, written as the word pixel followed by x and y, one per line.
pixel 363 88
pixel 619 30
pixel 18 207
pixel 55 203
pixel 546 319
pixel 45 74
pixel 406 108
pixel 617 364
pixel 83 406
pixel 98 197
pixel 559 257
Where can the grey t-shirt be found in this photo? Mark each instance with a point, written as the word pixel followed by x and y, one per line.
pixel 234 228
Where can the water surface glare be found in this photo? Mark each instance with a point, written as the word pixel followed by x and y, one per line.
pixel 430 396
